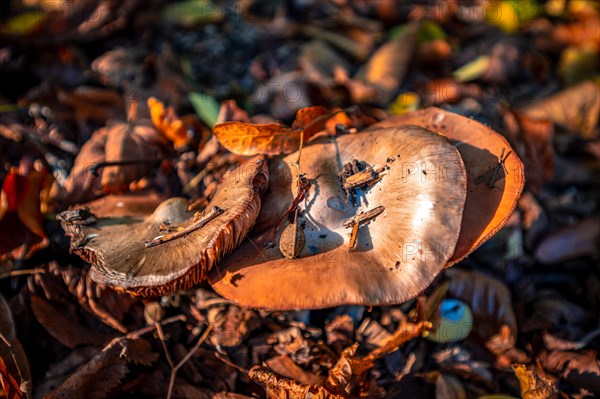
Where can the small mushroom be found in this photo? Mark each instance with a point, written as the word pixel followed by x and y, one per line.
pixel 117 246
pixel 495 174
pixel 410 224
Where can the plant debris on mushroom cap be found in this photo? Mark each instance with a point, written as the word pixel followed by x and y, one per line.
pixel 397 255
pixel 492 189
pixel 115 246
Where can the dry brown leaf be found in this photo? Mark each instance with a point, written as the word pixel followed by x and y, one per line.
pixel 285 367
pixel 278 387
pixel 168 123
pixel 388 65
pixel 490 302
pixel 581 369
pixel 138 144
pixel 96 378
pixel 13 361
pixel 63 327
pixel 576 109
pixel 533 141
pixel 532 385
pixel 580 239
pixel 338 383
pixel 21 226
pixel 10 387
pixel 449 387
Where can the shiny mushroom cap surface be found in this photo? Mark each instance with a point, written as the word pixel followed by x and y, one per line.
pixel 495 174
pixel 117 246
pixel 418 193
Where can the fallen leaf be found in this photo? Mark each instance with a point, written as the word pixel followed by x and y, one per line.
pixel 282 387
pixel 63 327
pixel 102 374
pixel 191 13
pixel 14 365
pixel 581 369
pixel 449 387
pixel 135 149
pixel 490 302
pixel 285 367
pixel 206 107
pixel 10 387
pixel 533 139
pixel 167 123
pixel 578 63
pixel 388 65
pixel 575 109
pixel 532 386
pixel 21 227
pixel 580 239
pixel 274 138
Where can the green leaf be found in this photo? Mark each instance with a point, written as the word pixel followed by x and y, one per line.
pixel 24 23
pixel 472 70
pixel 508 15
pixel 429 31
pixel 206 107
pixel 192 13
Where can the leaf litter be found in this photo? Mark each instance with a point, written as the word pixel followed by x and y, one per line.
pixel 107 107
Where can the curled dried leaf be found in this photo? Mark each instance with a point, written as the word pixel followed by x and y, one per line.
pixel 168 123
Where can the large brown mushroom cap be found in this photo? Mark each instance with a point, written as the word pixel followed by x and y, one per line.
pixel 116 245
pixel 398 254
pixel 490 199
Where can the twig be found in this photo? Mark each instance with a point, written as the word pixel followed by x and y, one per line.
pixel 94 168
pixel 152 327
pixel 185 359
pixel 163 341
pixel 230 363
pixel 216 211
pixel 14 358
pixel 21 272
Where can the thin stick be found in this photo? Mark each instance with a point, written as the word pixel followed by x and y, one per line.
pixel 185 359
pixel 152 327
pixel 14 358
pixel 216 211
pixel 163 341
pixel 94 168
pixel 229 363
pixel 21 272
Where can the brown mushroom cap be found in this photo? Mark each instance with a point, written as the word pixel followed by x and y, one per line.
pixel 116 245
pixel 398 254
pixel 487 209
pixel 138 203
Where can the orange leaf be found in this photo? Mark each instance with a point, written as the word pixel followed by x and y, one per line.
pixel 305 116
pixel 247 139
pixel 273 138
pixel 20 216
pixel 167 122
pixel 8 384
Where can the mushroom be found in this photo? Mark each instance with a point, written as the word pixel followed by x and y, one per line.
pixel 495 174
pixel 404 218
pixel 141 256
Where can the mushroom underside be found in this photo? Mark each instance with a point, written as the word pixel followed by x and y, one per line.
pixel 115 246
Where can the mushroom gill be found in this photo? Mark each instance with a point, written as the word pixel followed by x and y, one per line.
pixel 416 198
pixel 116 246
